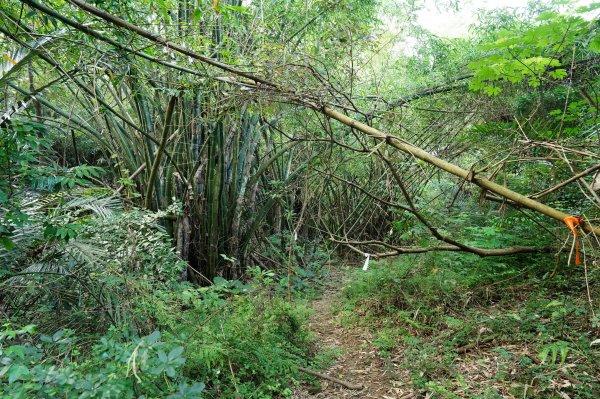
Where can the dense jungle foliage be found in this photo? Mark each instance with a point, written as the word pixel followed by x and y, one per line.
pixel 180 179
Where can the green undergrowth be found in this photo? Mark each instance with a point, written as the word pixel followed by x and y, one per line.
pixel 213 342
pixel 525 325
pixel 111 321
pixel 245 345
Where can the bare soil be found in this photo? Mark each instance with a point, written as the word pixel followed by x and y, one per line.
pixel 359 362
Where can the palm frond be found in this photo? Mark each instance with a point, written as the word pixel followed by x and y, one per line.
pixel 85 251
pixel 100 206
pixel 51 267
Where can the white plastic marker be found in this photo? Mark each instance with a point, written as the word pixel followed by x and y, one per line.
pixel 295 236
pixel 366 265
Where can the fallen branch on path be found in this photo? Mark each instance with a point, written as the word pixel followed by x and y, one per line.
pixel 472 345
pixel 346 384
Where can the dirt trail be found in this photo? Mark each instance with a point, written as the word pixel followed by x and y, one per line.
pixel 359 362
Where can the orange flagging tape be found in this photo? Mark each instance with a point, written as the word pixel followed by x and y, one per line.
pixel 572 222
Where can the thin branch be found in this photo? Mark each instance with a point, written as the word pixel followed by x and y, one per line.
pixel 396 251
pixel 564 183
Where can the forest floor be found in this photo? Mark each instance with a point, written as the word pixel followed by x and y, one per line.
pixel 359 362
pixel 509 367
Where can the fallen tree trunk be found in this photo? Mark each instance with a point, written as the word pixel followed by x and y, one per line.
pixel 454 169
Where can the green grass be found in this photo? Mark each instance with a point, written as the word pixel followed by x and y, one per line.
pixel 533 320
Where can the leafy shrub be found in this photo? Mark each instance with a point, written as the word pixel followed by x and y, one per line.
pixel 117 367
pixel 21 147
pixel 89 279
pixel 241 341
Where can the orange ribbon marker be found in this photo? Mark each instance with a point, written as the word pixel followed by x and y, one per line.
pixel 572 222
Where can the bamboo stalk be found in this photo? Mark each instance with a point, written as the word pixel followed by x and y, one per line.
pixel 453 169
pixel 159 152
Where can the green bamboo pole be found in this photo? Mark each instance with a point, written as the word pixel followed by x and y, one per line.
pixel 453 169
pixel 159 152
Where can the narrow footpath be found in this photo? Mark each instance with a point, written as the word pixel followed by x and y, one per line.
pixel 358 362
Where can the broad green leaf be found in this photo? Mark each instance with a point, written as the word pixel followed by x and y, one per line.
pixel 17 372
